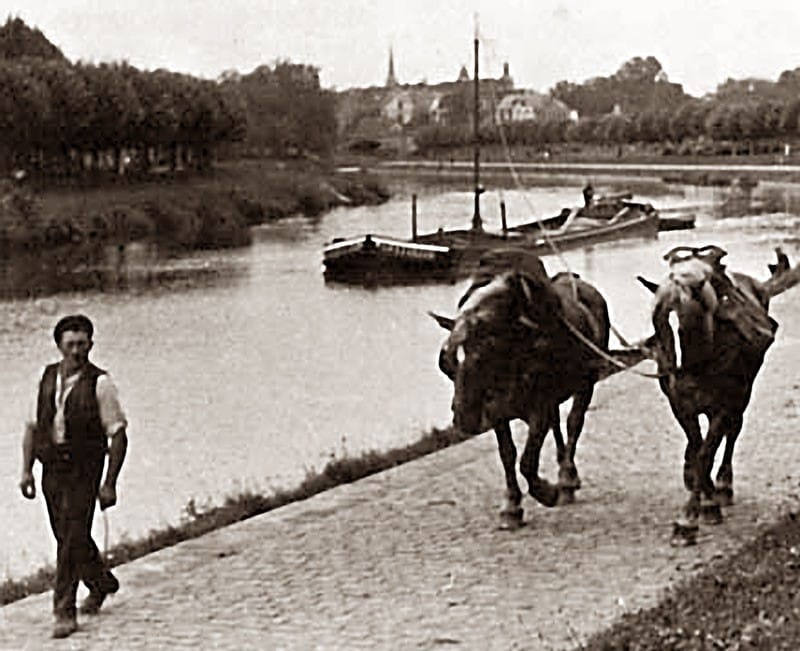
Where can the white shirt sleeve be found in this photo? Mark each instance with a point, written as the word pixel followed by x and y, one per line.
pixel 111 414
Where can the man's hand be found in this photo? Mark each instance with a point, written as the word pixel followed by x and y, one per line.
pixel 27 485
pixel 107 496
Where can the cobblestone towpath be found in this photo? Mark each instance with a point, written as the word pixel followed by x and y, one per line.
pixel 412 558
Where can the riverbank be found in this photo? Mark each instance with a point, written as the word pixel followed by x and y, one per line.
pixel 184 211
pixel 696 172
pixel 236 508
pixel 626 154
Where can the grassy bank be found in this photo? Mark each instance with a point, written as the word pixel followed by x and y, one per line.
pixel 596 153
pixel 748 600
pixel 188 211
pixel 632 161
pixel 246 505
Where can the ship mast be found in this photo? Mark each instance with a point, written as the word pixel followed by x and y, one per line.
pixel 477 222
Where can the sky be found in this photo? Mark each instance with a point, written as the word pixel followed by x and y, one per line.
pixel 700 43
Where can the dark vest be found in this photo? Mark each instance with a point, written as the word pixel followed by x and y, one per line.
pixel 85 436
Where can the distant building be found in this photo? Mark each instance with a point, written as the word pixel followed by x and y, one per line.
pixel 374 113
pixel 529 106
pixel 399 108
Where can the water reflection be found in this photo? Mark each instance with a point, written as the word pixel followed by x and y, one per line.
pixel 108 268
pixel 744 198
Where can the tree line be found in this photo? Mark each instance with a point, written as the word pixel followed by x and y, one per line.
pixel 61 119
pixel 639 105
pixel 752 125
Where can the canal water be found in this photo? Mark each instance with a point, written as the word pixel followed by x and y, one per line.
pixel 243 370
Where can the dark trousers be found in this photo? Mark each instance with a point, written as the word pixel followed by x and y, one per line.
pixel 70 490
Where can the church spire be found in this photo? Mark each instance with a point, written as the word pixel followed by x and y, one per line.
pixel 391 80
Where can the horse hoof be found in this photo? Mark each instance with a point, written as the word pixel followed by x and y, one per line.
pixel 724 496
pixel 545 493
pixel 711 513
pixel 684 535
pixel 567 479
pixel 511 520
pixel 566 496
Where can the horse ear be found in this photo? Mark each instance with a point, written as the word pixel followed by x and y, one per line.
pixel 444 321
pixel 653 287
pixel 713 252
pixel 782 265
pixel 679 252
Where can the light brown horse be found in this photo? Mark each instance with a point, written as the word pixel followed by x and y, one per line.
pixel 723 333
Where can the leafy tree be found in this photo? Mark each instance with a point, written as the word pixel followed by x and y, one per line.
pixel 287 110
pixel 24 109
pixel 585 130
pixel 18 41
pixel 554 130
pixel 652 125
pixel 719 123
pixel 640 84
pixel 639 70
pixel 115 111
pixel 790 118
pixel 614 128
pixel 70 106
pixel 689 120
pixel 769 117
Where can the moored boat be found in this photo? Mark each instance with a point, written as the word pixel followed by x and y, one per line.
pixel 446 256
pixel 372 259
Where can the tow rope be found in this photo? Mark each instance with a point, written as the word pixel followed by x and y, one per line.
pixel 604 355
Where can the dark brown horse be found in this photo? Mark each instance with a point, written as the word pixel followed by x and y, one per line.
pixel 723 333
pixel 521 344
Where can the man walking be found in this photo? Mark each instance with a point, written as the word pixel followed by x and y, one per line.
pixel 78 419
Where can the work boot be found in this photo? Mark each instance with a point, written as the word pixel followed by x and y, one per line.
pixel 92 604
pixel 64 626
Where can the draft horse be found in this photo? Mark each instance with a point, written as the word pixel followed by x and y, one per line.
pixel 709 365
pixel 521 344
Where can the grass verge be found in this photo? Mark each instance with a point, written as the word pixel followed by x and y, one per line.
pixel 246 505
pixel 748 600
pixel 179 210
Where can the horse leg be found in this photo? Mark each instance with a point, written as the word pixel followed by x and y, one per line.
pixel 705 492
pixel 511 513
pixel 555 425
pixel 723 494
pixel 686 526
pixel 568 479
pixel 540 489
pixel 690 424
